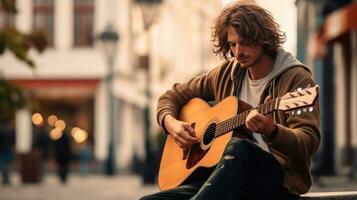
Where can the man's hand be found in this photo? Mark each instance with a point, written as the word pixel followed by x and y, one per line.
pixel 182 132
pixel 259 123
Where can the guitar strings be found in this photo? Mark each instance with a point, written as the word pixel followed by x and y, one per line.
pixel 227 125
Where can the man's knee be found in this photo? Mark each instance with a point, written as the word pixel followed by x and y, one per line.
pixel 238 146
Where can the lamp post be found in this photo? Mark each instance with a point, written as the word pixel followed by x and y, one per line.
pixel 150 11
pixel 110 39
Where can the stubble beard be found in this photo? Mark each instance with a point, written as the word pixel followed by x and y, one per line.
pixel 247 66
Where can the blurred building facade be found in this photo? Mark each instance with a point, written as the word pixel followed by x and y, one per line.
pixel 69 78
pixel 327 40
pixel 155 49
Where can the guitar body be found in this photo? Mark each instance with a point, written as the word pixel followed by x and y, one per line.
pixel 178 164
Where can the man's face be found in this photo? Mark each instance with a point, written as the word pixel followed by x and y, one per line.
pixel 246 54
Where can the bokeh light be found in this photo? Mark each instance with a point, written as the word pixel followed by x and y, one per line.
pixel 60 124
pixel 56 134
pixel 51 120
pixel 79 135
pixel 74 130
pixel 37 119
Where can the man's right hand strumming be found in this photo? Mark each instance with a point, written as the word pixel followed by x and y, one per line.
pixel 182 132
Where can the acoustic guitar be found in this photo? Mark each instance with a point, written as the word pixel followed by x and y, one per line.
pixel 214 127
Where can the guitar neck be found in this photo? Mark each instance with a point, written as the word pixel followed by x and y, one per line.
pixel 239 120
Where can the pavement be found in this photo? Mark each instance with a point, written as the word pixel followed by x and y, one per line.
pixel 120 187
pixel 101 187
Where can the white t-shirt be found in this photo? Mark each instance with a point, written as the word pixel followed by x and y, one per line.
pixel 251 93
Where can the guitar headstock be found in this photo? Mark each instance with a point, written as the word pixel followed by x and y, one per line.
pixel 298 99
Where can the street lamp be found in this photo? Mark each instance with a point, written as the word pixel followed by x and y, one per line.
pixel 150 11
pixel 110 39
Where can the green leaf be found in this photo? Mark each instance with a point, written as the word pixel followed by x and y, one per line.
pixel 18 44
pixel 11 98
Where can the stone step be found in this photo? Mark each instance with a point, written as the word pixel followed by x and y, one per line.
pixel 346 195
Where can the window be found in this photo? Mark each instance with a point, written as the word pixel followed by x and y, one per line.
pixel 43 19
pixel 7 19
pixel 83 22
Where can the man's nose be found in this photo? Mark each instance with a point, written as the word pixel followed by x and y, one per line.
pixel 237 50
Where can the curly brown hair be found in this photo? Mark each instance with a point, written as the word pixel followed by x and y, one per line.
pixel 253 23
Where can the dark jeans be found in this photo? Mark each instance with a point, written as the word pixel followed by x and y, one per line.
pixel 63 169
pixel 5 172
pixel 245 172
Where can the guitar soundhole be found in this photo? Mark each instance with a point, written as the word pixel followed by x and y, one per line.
pixel 209 134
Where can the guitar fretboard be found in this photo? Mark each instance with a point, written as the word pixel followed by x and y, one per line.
pixel 239 120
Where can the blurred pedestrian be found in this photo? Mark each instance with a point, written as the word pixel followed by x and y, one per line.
pixel 63 156
pixel 40 146
pixel 85 156
pixel 41 141
pixel 7 140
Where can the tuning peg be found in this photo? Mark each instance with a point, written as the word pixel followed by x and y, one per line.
pixel 311 109
pixel 293 112
pixel 304 110
pixel 298 112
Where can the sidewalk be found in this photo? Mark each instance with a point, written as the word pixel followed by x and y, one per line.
pixel 123 187
pixel 334 184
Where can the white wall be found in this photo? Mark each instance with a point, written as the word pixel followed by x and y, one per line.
pixel 181 46
pixel 63 24
pixel 340 105
pixel 24 16
pixel 285 13
pixel 23 127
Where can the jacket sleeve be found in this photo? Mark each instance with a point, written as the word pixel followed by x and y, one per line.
pixel 172 100
pixel 298 136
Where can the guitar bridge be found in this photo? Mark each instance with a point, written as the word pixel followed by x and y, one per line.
pixel 185 153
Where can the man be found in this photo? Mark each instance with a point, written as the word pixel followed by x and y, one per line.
pixel 275 163
pixel 63 155
pixel 7 141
